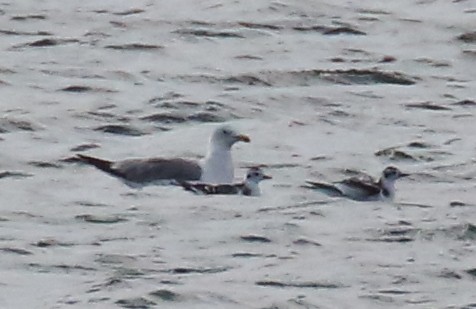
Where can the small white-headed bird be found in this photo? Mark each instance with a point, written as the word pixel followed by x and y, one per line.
pixel 363 189
pixel 249 187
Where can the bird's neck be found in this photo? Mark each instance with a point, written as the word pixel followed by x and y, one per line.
pixel 387 188
pixel 218 152
pixel 218 165
pixel 253 188
pixel 216 146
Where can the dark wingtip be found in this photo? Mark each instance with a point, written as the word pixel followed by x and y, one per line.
pixel 86 158
pixel 101 164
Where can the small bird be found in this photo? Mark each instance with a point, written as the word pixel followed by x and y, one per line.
pixel 216 167
pixel 249 187
pixel 363 189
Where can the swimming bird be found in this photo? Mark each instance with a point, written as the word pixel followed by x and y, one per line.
pixel 363 189
pixel 216 167
pixel 249 187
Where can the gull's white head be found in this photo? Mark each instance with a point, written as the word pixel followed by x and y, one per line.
pixel 225 137
pixel 218 164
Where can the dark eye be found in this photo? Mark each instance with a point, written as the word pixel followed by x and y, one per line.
pixel 225 131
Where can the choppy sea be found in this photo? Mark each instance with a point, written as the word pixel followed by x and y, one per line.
pixel 324 89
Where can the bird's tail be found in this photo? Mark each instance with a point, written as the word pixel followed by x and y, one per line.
pixel 103 165
pixel 186 185
pixel 326 188
pixel 196 188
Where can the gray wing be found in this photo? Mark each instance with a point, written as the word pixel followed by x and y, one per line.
pixel 227 189
pixel 359 190
pixel 157 169
pixel 204 188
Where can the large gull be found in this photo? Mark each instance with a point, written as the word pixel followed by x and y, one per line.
pixel 249 186
pixel 216 167
pixel 363 189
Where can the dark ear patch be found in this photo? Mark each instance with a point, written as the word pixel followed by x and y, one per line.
pixel 253 171
pixel 389 171
pixel 385 192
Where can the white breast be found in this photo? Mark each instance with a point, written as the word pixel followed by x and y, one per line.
pixel 217 167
